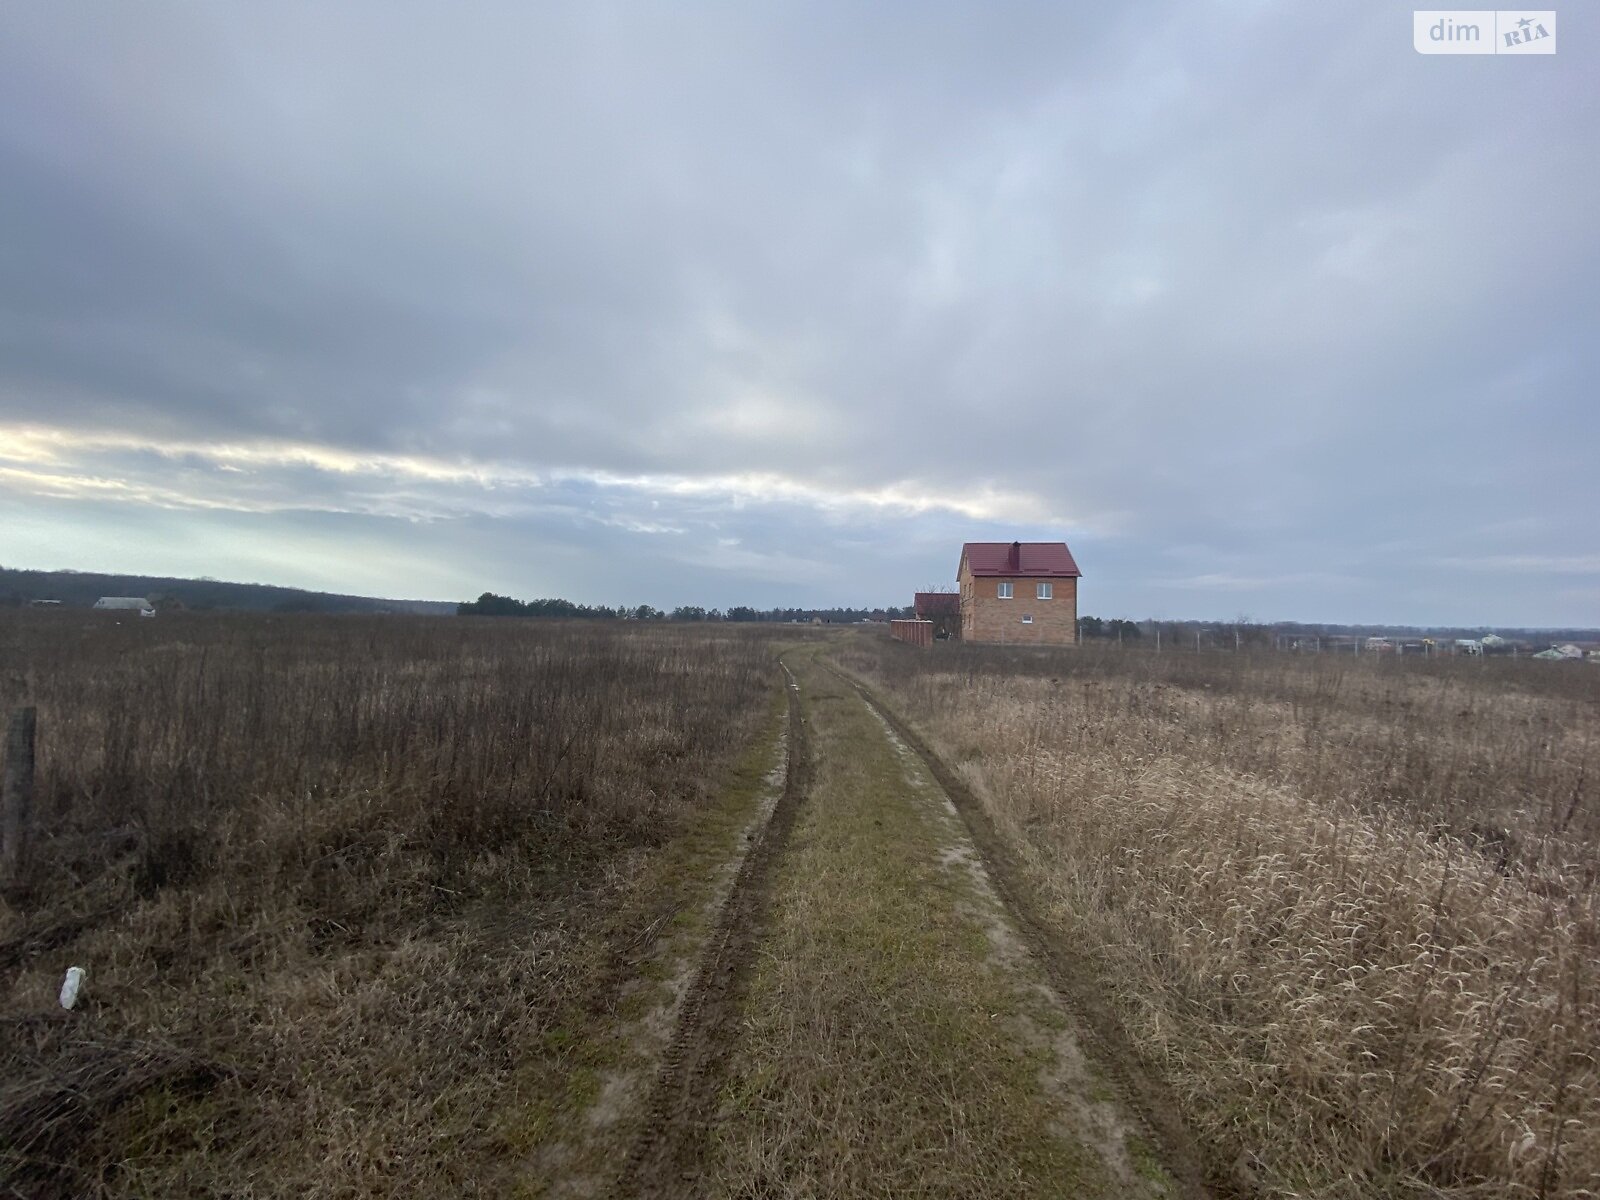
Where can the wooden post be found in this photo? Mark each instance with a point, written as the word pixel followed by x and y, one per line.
pixel 16 799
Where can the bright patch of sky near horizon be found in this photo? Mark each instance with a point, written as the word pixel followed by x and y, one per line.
pixel 1257 308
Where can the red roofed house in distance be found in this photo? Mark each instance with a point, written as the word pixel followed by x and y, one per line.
pixel 1019 593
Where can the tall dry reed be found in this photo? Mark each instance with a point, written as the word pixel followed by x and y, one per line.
pixel 1349 908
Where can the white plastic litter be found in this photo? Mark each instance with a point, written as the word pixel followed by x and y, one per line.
pixel 71 986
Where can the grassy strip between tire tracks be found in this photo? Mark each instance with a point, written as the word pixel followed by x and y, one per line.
pixel 883 1051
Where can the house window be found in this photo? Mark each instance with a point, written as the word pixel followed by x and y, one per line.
pixel 1027 618
pixel 1005 590
pixel 1045 591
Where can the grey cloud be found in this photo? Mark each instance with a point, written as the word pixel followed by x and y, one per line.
pixel 1252 289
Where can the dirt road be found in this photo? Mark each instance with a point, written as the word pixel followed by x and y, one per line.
pixel 670 1148
pixel 874 1014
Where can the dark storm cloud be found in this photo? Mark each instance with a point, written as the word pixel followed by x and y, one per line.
pixel 1263 310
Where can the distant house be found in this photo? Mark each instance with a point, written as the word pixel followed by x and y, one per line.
pixel 943 609
pixel 1550 655
pixel 1568 650
pixel 136 604
pixel 1019 592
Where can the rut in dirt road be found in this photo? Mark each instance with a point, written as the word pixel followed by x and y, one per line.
pixel 668 1153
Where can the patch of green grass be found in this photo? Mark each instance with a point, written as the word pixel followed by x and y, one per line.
pixel 1145 1162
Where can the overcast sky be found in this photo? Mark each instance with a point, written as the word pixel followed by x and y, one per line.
pixel 1258 309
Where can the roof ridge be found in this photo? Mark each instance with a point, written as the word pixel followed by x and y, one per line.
pixel 1024 559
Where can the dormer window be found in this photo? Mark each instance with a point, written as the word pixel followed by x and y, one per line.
pixel 1045 591
pixel 1005 589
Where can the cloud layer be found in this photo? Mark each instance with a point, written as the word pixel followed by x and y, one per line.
pixel 1258 308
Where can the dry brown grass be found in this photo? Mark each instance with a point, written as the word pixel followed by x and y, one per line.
pixel 1349 907
pixel 335 882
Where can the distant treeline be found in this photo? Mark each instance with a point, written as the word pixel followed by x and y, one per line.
pixel 82 588
pixel 1531 633
pixel 1116 627
pixel 491 605
pixel 1245 631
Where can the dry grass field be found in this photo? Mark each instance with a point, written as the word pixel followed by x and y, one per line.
pixel 1347 907
pixel 338 884
pixel 374 906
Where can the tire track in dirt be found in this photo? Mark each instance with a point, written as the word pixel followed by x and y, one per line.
pixel 1072 975
pixel 668 1156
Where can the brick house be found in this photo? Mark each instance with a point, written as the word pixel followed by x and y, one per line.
pixel 1019 593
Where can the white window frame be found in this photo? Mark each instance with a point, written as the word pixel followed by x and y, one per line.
pixel 1004 590
pixel 1044 591
pixel 1027 618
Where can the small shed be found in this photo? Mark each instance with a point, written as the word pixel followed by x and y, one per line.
pixel 941 608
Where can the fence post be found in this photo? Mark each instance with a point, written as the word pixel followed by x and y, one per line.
pixel 16 799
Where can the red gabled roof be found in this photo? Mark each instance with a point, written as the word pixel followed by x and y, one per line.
pixel 937 604
pixel 1044 560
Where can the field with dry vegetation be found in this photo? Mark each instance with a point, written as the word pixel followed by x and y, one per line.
pixel 464 907
pixel 1347 907
pixel 342 886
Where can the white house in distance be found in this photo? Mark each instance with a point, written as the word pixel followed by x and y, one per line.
pixel 136 604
